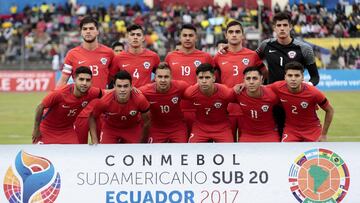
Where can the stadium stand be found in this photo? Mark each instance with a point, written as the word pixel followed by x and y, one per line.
pixel 40 35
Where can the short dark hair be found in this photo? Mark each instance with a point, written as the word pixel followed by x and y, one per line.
pixel 117 43
pixel 234 23
pixel 134 27
pixel 252 68
pixel 294 65
pixel 123 75
pixel 222 41
pixel 204 67
pixel 83 69
pixel 89 19
pixel 188 26
pixel 163 66
pixel 282 16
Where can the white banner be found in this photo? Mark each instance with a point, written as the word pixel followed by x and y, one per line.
pixel 189 173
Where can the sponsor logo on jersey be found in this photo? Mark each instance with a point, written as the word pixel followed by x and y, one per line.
pixel 196 104
pixel 103 61
pixel 304 105
pixel 147 65
pixel 217 105
pixel 84 103
pixel 242 104
pixel 65 107
pixel 271 51
pixel 133 113
pixel 197 63
pixel 175 100
pixel 174 63
pixel 283 100
pixel 124 65
pixel 265 108
pixel 291 54
pixel 245 61
pixel 81 62
pixel 225 62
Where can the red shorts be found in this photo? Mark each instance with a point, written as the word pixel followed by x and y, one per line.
pixel 67 136
pixel 235 122
pixel 127 135
pixel 82 128
pixel 175 135
pixel 270 137
pixel 198 135
pixel 309 135
pixel 82 123
pixel 189 117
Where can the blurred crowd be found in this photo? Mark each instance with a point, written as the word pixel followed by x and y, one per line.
pixel 43 33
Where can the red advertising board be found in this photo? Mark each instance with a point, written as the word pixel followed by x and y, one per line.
pixel 26 81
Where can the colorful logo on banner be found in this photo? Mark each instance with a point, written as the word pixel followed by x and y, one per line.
pixel 319 175
pixel 32 180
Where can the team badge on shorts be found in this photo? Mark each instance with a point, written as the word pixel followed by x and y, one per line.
pixel 265 108
pixel 304 105
pixel 84 103
pixel 245 61
pixel 175 100
pixel 197 63
pixel 146 65
pixel 217 105
pixel 103 61
pixel 319 175
pixel 133 113
pixel 291 54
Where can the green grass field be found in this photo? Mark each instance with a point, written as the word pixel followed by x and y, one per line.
pixel 17 116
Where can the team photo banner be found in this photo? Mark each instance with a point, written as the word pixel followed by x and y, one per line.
pixel 27 81
pixel 189 173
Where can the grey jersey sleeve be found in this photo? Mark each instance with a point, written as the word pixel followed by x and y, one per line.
pixel 309 58
pixel 307 52
pixel 261 49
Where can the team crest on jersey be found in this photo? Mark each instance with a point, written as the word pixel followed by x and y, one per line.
pixel 218 105
pixel 246 61
pixel 291 54
pixel 133 113
pixel 175 100
pixel 84 103
pixel 265 108
pixel 304 105
pixel 103 61
pixel 197 63
pixel 147 65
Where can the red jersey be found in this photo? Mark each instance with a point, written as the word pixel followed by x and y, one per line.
pixel 165 107
pixel 63 107
pixel 140 66
pixel 183 66
pixel 99 60
pixel 232 65
pixel 258 112
pixel 300 108
pixel 121 116
pixel 211 113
